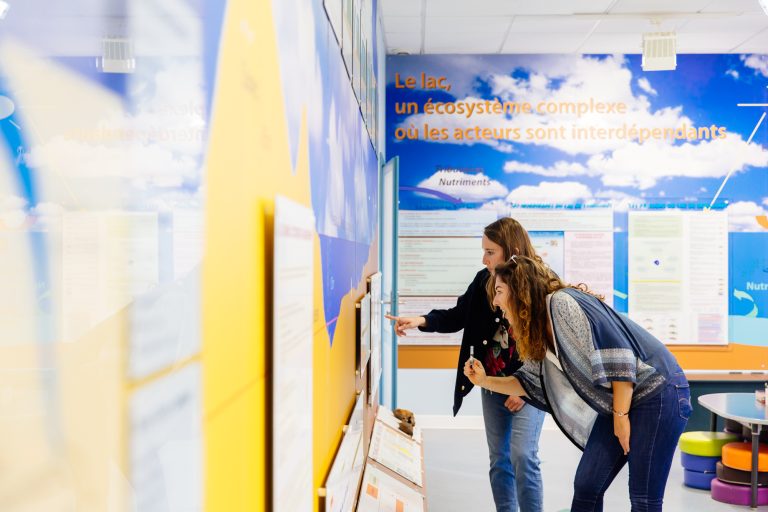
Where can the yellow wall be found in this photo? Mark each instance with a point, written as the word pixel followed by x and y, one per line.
pixel 248 165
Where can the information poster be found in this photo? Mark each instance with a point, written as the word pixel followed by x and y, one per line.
pixel 438 265
pixel 589 260
pixel 376 317
pixel 550 246
pixel 564 219
pixel 292 357
pixel 344 477
pixel 396 451
pixel 382 493
pixel 463 223
pixel 108 259
pixel 166 451
pixel 363 332
pixel 420 306
pixel 678 275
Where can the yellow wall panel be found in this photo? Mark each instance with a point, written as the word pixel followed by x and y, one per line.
pixel 236 452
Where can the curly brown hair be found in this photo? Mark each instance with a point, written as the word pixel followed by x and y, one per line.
pixel 530 281
pixel 513 239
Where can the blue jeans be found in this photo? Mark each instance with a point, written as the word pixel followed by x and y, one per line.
pixel 655 428
pixel 513 446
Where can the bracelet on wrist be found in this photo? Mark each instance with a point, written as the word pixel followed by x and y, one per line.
pixel 620 414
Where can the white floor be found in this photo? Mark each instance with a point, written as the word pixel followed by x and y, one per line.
pixel 456 461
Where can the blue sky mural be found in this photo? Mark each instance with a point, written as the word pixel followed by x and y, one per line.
pixel 704 91
pixel 614 168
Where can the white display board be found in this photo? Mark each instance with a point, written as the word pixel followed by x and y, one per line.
pixel 397 452
pixel 187 245
pixel 383 493
pixel 438 265
pixel 344 477
pixel 374 283
pixel 562 219
pixel 108 258
pixel 420 306
pixel 678 275
pixel 450 223
pixel 363 332
pixel 588 258
pixel 165 326
pixel 550 245
pixel 166 450
pixel 293 309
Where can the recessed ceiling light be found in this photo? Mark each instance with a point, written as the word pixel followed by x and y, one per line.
pixel 4 6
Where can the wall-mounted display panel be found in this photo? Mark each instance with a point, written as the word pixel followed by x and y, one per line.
pixel 678 275
pixel 293 310
pixel 382 492
pixel 397 452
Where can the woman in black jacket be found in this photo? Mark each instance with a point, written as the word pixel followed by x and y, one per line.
pixel 512 428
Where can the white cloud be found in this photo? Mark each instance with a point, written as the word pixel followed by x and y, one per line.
pixel 333 221
pixel 620 201
pixel 559 169
pixel 6 107
pixel 551 192
pixel 643 165
pixel 12 202
pixel 741 215
pixel 465 186
pixel 567 192
pixel 361 194
pixel 757 62
pixel 645 85
pixel 299 68
pixel 733 74
pixel 498 205
pixel 143 166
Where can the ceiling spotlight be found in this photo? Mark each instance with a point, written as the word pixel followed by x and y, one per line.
pixel 764 5
pixel 4 6
pixel 660 51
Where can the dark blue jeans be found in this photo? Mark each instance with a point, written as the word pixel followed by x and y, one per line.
pixel 655 428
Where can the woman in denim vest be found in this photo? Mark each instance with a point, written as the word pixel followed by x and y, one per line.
pixel 613 389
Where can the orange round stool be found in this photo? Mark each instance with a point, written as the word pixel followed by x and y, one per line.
pixel 739 456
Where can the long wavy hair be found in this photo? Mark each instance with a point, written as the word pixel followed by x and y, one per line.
pixel 513 239
pixel 530 281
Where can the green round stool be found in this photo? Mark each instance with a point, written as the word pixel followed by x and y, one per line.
pixel 705 444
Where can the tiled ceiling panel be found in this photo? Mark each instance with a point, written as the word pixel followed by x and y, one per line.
pixel 567 26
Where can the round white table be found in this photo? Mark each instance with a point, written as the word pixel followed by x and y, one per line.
pixel 741 407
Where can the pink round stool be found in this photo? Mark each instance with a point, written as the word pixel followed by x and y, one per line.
pixel 737 494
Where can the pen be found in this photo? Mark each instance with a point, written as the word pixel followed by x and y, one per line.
pixel 471 355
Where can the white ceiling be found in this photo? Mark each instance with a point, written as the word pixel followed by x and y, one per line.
pixel 571 26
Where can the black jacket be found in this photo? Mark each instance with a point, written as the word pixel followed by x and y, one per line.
pixel 473 314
